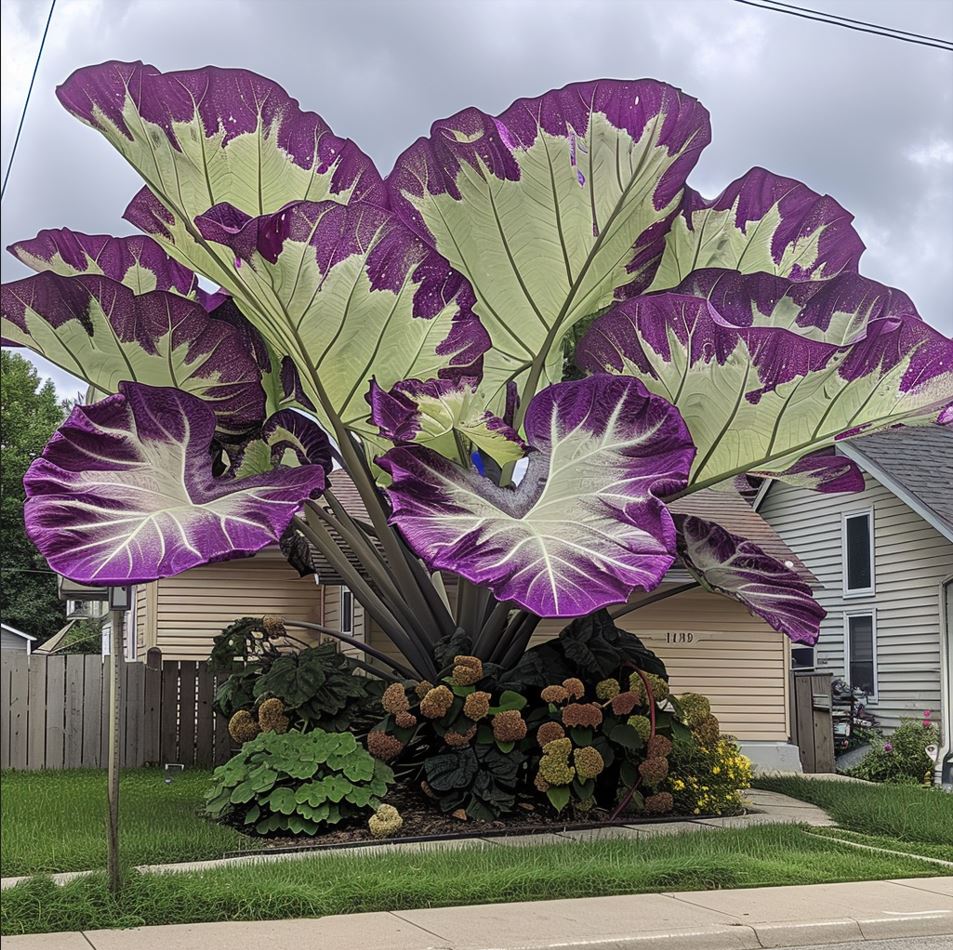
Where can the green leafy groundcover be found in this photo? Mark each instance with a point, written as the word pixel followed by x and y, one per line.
pixel 335 884
pixel 297 782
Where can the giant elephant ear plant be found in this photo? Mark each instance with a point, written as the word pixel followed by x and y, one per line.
pixel 412 329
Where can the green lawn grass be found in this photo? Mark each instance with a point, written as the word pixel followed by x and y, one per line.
pixel 401 880
pixel 904 813
pixel 55 821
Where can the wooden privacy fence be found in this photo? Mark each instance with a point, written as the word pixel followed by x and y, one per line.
pixel 813 723
pixel 54 712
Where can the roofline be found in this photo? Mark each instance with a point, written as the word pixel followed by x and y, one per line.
pixel 903 493
pixel 19 633
pixel 762 491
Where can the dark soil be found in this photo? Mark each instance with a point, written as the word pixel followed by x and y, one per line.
pixel 423 819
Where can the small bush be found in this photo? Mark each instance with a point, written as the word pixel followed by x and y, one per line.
pixel 707 779
pixel 900 758
pixel 318 687
pixel 297 782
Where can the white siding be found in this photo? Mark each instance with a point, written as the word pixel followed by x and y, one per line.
pixel 332 619
pixel 911 558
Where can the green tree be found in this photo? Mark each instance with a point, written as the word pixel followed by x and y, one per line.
pixel 30 412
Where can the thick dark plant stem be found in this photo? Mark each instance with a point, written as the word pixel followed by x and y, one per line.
pixel 354 642
pixel 654 599
pixel 492 629
pixel 650 696
pixel 415 652
pixel 520 641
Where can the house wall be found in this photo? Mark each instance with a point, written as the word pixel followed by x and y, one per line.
pixel 734 659
pixel 910 560
pixel 10 641
pixel 332 618
pixel 181 615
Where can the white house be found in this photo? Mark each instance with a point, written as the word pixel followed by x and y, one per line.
pixel 13 639
pixel 884 557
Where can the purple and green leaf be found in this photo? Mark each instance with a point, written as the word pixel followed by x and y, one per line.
pixel 761 222
pixel 552 207
pixel 762 397
pixel 446 415
pixel 738 568
pixel 205 136
pixel 99 330
pixel 124 492
pixel 350 294
pixel 286 439
pixel 585 526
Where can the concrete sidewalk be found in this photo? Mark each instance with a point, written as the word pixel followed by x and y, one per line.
pixel 694 920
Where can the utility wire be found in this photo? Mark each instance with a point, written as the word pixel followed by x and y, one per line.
pixel 26 103
pixel 860 26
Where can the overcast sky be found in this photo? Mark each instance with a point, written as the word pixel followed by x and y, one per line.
pixel 865 119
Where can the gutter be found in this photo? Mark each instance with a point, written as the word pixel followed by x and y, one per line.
pixel 944 763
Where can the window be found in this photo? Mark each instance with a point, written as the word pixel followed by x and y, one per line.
pixel 347 611
pixel 860 650
pixel 858 553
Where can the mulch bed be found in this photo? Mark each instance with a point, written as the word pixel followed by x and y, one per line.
pixel 423 822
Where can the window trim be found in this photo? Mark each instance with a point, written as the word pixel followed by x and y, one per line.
pixel 856 592
pixel 873 698
pixel 347 596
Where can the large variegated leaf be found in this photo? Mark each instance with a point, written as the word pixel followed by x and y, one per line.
pixel 205 136
pixel 99 330
pixel 583 528
pixel 447 415
pixel 761 222
pixel 723 562
pixel 124 492
pixel 287 438
pixel 553 206
pixel 762 397
pixel 136 261
pixel 835 311
pixel 823 471
pixel 350 294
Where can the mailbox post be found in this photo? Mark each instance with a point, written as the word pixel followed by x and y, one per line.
pixel 120 599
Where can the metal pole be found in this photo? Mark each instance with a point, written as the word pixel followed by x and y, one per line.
pixel 116 656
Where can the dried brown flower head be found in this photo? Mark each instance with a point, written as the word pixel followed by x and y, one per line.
pixel 653 771
pixel 405 720
pixel 695 709
pixel 477 705
pixel 395 699
pixel 242 727
pixel 467 670
pixel 273 626
pixel 624 703
pixel 659 747
pixel 558 748
pixel 509 726
pixel 554 694
pixel 660 803
pixel 457 740
pixel 271 716
pixel 383 746
pixel 588 761
pixel 607 689
pixel 422 688
pixel 436 703
pixel 549 731
pixel 385 822
pixel 707 731
pixel 582 714
pixel 575 687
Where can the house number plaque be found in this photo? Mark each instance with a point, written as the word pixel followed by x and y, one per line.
pixel 682 638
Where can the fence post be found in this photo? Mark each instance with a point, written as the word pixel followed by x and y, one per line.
pixel 152 703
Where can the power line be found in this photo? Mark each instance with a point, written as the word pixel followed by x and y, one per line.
pixel 26 102
pixel 861 26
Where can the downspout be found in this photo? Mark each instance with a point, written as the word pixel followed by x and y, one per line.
pixel 944 763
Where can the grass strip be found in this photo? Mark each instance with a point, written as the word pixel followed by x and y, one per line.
pixel 941 852
pixel 55 820
pixel 905 813
pixel 404 879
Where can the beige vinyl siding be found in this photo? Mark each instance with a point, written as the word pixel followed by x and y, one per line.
pixel 332 618
pixel 911 558
pixel 736 660
pixel 188 610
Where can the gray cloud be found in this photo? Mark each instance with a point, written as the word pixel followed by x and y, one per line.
pixel 866 119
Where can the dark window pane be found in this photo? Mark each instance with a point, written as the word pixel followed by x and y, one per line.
pixel 858 553
pixel 860 641
pixel 347 611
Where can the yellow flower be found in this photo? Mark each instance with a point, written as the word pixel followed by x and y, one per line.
pixel 716 770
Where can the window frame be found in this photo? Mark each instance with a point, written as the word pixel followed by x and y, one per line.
pixel 874 697
pixel 856 592
pixel 347 597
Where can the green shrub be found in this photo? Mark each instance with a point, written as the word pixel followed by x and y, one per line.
pixel 901 758
pixel 297 782
pixel 319 687
pixel 707 778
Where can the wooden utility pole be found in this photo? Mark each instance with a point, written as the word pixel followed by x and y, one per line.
pixel 116 659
